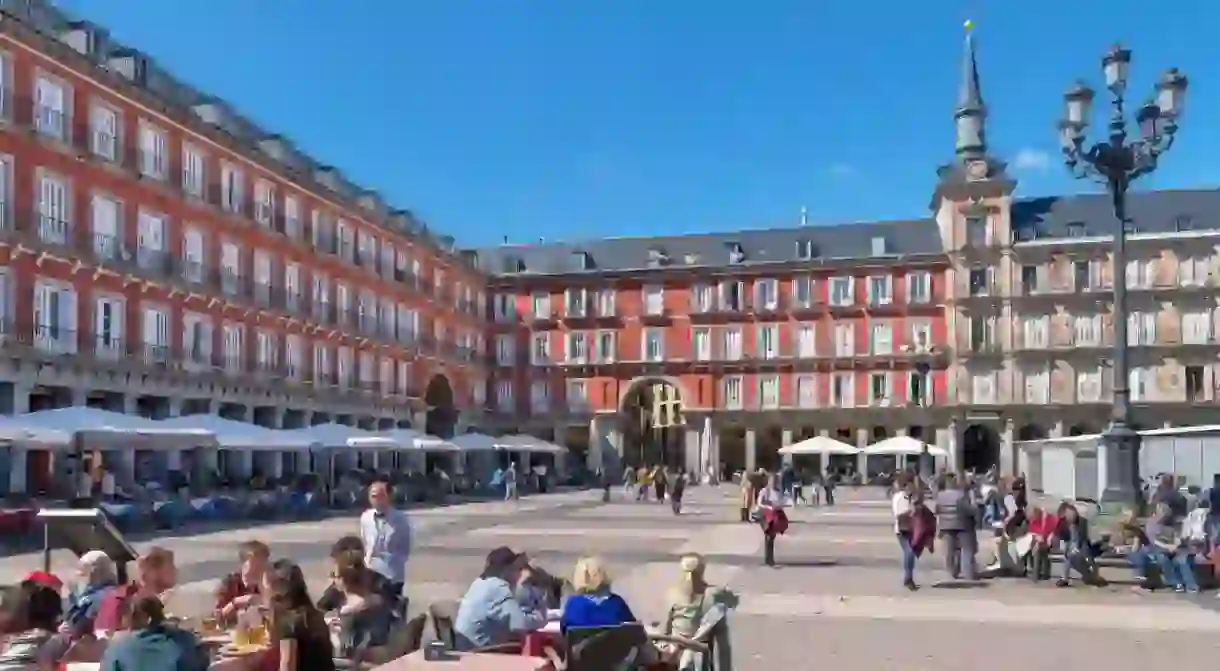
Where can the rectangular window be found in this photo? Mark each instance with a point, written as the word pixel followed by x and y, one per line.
pixel 654 300
pixel 606 346
pixel 150 241
pixel 1197 327
pixel 540 396
pixel 504 396
pixel 51 108
pixel 232 189
pixel 845 340
pixel 230 268
pixel 1036 331
pixel 806 341
pixel 194 171
pixel 578 396
pixel 233 347
pixel 880 290
pixel 766 294
pixel 983 389
pixel 882 339
pixel 156 335
pixel 104 132
pixel 768 392
pixel 919 288
pixel 55 317
pixel 1038 387
pixel 292 217
pixel 108 328
pixel 107 244
pixel 806 392
pixel 879 388
pixel 197 339
pixel 654 345
pixel 768 342
pixel 505 355
pixel 1087 330
pixel 701 299
pixel 154 151
pixel 701 344
pixel 841 293
pixel 578 348
pixel 802 291
pixel 842 393
pixel 322 372
pixel 731 345
pixel 731 392
pixel 292 356
pixel 193 257
pixel 732 296
pixel 264 203
pixel 541 305
pixel 54 210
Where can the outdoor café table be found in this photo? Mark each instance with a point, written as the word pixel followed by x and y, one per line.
pixel 467 662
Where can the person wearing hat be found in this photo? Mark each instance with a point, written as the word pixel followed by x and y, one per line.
pixel 490 613
pixel 96 579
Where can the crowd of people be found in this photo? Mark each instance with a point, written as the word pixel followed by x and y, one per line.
pixel 963 513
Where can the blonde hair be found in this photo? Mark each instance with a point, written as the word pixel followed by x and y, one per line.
pixel 589 576
pixel 99 568
pixel 692 566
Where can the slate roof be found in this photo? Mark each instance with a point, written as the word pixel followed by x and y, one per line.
pixel 1086 216
pixel 1033 218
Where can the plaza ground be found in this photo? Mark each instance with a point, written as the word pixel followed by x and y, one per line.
pixel 836 599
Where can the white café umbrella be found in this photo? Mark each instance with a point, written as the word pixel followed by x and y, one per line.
pixel 234 435
pixel 903 445
pixel 820 445
pixel 332 434
pixel 522 443
pixel 414 440
pixel 113 429
pixel 475 442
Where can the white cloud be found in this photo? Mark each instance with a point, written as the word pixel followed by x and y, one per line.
pixel 1032 160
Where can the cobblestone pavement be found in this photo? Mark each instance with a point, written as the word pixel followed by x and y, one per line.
pixel 836 598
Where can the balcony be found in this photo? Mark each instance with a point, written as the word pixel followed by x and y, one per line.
pixel 656 315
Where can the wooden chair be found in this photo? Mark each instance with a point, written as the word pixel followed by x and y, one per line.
pixel 600 648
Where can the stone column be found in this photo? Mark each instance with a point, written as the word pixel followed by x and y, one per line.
pixel 862 437
pixel 277 418
pixel 690 459
pixel 1008 452
pixel 593 458
pixel 174 409
pixel 80 396
pixel 17 468
pixel 785 442
pixel 21 401
pixel 131 403
pixel 751 450
pixel 1057 429
pixel 824 459
pixel 173 458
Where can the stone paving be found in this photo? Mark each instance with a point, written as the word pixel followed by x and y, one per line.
pixel 835 599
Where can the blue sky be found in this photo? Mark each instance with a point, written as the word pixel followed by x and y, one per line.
pixel 571 119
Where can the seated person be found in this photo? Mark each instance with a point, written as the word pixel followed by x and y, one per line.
pixel 1072 534
pixel 96 578
pixel 332 599
pixel 242 588
pixel 695 606
pixel 300 639
pixel 30 615
pixel 155 575
pixel 151 643
pixel 593 604
pixel 364 617
pixel 534 590
pixel 1159 544
pixel 490 613
pixel 1042 527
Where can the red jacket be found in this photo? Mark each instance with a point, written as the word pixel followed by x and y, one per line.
pixel 1043 525
pixel 775 521
pixel 923 529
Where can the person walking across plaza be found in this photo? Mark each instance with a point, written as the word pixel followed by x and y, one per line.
pixel 774 520
pixel 956 523
pixel 903 504
pixel 510 482
pixel 386 534
pixel 677 489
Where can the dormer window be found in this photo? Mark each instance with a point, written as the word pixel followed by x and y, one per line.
pixel 804 249
pixel 1075 229
pixel 513 264
pixel 1183 222
pixel 737 254
pixel 690 259
pixel 880 247
pixel 582 260
pixel 1025 234
pixel 657 258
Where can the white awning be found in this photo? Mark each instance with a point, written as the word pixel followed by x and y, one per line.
pixel 523 443
pixel 332 434
pixel 820 445
pixel 419 441
pixel 474 442
pixel 904 445
pixel 102 429
pixel 234 435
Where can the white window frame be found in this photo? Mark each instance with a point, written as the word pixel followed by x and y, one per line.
pixel 652 345
pixel 842 291
pixel 194 171
pixel 919 288
pixel 806 391
pixel 153 151
pixel 105 131
pixel 52 120
pixel 732 392
pixel 880 289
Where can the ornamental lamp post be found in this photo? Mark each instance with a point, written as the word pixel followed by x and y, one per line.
pixel 1115 163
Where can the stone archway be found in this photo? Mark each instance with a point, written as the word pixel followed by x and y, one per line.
pixel 651 423
pixel 1032 432
pixel 442 413
pixel 980 449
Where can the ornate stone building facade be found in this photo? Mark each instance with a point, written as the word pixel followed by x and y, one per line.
pixel 160 254
pixel 983 324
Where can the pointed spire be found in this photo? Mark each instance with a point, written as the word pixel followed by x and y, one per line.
pixel 971 114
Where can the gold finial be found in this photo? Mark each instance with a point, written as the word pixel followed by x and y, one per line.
pixel 969 26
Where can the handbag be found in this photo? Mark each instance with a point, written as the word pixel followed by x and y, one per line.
pixel 756 515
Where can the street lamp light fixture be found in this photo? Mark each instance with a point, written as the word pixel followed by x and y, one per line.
pixel 1115 162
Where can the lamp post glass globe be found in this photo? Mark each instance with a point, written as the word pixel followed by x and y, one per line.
pixel 1115 65
pixel 1079 101
pixel 1171 93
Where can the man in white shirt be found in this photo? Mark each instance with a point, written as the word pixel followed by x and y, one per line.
pixel 386 533
pixel 108 485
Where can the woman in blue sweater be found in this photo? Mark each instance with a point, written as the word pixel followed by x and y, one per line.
pixel 593 604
